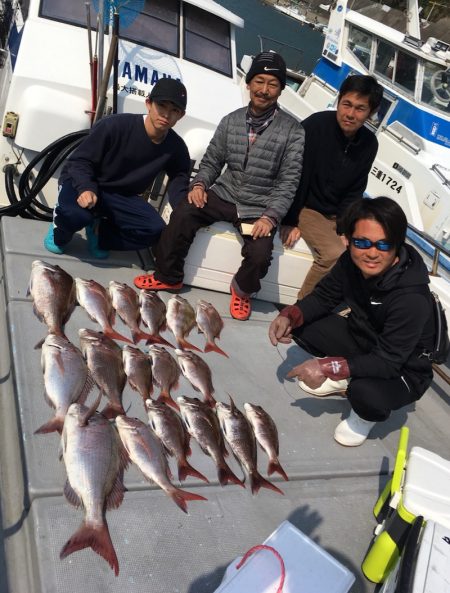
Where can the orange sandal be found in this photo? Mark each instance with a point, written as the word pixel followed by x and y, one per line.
pixel 240 308
pixel 149 282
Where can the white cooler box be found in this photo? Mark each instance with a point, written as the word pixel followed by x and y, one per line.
pixel 215 256
pixel 308 568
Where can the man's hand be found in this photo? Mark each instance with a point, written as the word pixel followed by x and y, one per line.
pixel 262 228
pixel 309 372
pixel 280 331
pixel 197 196
pixel 289 235
pixel 87 199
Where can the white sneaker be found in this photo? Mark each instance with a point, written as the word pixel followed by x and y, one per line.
pixel 353 431
pixel 328 387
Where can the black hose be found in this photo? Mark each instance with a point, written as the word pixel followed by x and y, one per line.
pixel 28 206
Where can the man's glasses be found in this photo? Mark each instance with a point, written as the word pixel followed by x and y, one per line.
pixel 367 244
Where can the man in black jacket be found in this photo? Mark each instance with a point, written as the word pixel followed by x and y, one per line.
pixel 339 152
pixel 378 354
pixel 101 182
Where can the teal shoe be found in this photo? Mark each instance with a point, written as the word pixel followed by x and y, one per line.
pixel 49 241
pixel 92 239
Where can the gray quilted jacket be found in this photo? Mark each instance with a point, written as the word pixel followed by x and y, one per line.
pixel 265 180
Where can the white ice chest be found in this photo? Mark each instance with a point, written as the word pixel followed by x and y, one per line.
pixel 309 568
pixel 215 256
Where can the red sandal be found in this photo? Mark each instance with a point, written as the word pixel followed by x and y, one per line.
pixel 149 282
pixel 240 308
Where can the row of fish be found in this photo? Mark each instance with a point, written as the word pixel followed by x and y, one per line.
pixel 55 294
pixel 95 458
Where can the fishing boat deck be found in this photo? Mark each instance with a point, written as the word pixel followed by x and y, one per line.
pixel 329 496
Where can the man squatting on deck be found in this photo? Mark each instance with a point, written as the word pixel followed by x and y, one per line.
pixel 119 159
pixel 377 355
pixel 338 156
pixel 262 148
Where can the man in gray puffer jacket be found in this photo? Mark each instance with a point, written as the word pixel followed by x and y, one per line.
pixel 261 148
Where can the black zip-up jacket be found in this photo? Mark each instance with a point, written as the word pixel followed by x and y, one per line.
pixel 391 317
pixel 335 169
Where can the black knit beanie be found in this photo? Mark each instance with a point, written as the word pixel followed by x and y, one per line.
pixel 268 62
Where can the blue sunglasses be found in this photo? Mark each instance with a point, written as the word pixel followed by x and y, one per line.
pixel 367 244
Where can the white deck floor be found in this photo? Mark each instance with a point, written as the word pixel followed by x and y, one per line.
pixel 329 496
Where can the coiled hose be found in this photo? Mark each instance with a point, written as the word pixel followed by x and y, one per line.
pixel 28 206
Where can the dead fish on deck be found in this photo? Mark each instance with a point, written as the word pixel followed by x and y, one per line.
pixel 138 369
pixel 53 293
pixel 266 434
pixel 95 461
pixel 66 378
pixel 166 373
pixel 125 301
pixel 211 324
pixel 238 433
pixel 202 424
pixel 168 427
pixel 180 320
pixel 146 451
pixel 153 315
pixel 96 301
pixel 198 373
pixel 104 360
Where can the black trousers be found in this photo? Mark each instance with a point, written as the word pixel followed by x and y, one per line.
pixel 371 398
pixel 186 220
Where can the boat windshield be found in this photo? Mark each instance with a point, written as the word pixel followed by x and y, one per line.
pixel 164 25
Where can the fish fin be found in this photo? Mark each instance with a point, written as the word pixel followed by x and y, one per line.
pixel 111 410
pixel 55 424
pixel 183 344
pixel 180 497
pixel 257 482
pixel 185 469
pixel 48 400
pixel 138 335
pixel 84 418
pixel 97 538
pixel 71 495
pixel 165 397
pixel 87 388
pixel 115 497
pixel 210 401
pixel 211 347
pixel 275 466
pixel 225 475
pixel 38 346
pixel 114 335
pixel 232 404
pixel 157 339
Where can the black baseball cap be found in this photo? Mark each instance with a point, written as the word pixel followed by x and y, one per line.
pixel 169 89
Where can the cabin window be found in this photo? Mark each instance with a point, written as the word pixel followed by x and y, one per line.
pixel 405 71
pixel 157 26
pixel 360 45
pixel 436 86
pixel 207 40
pixel 385 60
pixel 67 12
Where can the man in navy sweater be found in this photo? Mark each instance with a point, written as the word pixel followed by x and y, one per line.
pixel 338 156
pixel 101 183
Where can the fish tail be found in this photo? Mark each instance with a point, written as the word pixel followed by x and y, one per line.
pixel 209 399
pixel 111 333
pixel 212 347
pixel 275 466
pixel 180 497
pixel 185 469
pixel 139 335
pixel 257 482
pixel 157 339
pixel 225 475
pixel 185 345
pixel 164 396
pixel 55 424
pixel 111 410
pixel 97 538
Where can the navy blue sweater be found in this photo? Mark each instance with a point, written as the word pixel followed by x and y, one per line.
pixel 119 157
